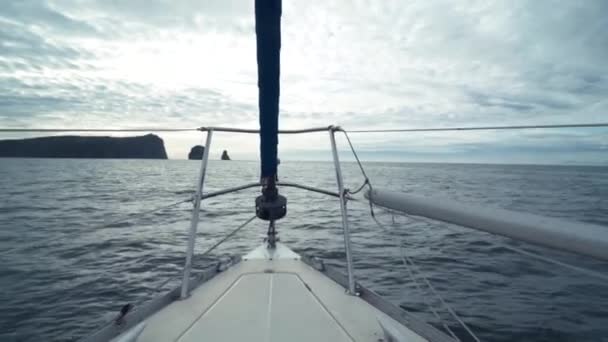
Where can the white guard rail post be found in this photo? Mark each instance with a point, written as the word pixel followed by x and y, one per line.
pixel 581 238
pixel 195 216
pixel 345 227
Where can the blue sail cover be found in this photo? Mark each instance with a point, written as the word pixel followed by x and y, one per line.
pixel 268 39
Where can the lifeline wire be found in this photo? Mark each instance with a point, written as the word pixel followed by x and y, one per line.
pixel 430 129
pixel 479 128
pixel 96 130
pixel 209 250
pixel 228 236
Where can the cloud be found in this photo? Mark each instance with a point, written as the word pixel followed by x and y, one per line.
pixel 360 64
pixel 39 14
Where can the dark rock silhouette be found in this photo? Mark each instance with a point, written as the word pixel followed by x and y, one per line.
pixel 196 152
pixel 225 155
pixel 148 146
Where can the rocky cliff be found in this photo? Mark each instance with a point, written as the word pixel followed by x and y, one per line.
pixel 225 155
pixel 196 152
pixel 145 147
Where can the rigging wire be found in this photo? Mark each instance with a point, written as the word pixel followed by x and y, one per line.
pixel 514 249
pixel 366 181
pixel 556 262
pixel 379 130
pixel 443 302
pixel 106 225
pixel 406 259
pixel 521 251
pixel 352 148
pixel 209 250
pixel 426 301
pixel 430 286
pixel 228 236
pixel 478 128
pixel 159 287
pixel 581 270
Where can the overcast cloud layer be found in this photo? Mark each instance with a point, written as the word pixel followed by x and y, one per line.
pixel 359 64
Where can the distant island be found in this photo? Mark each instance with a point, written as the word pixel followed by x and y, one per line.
pixel 196 153
pixel 149 146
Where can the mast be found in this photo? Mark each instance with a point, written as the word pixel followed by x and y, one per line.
pixel 268 39
pixel 270 205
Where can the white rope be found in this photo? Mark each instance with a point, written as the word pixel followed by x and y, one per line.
pixel 549 260
pixel 366 179
pixel 352 148
pixel 443 302
pixel 368 183
pixel 407 259
pixel 416 283
pixel 556 262
pixel 426 301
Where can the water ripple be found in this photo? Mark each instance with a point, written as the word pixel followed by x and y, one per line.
pixel 56 288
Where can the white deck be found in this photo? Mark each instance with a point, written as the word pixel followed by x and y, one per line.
pixel 271 297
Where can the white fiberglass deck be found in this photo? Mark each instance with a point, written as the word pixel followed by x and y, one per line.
pixel 271 296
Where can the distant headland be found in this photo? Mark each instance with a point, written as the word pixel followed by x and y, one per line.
pixel 149 146
pixel 225 155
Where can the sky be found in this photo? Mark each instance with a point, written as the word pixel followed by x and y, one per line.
pixel 357 64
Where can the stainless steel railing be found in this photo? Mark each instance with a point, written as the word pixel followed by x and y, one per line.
pixel 199 196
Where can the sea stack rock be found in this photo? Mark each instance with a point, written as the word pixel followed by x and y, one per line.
pixel 196 152
pixel 225 155
pixel 149 146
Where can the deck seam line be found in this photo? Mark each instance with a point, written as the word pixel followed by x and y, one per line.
pixel 209 308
